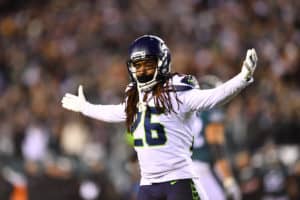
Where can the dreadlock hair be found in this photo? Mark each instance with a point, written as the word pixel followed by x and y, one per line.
pixel 162 99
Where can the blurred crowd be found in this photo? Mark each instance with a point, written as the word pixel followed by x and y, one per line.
pixel 50 47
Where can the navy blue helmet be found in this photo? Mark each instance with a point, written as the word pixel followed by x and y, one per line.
pixel 145 47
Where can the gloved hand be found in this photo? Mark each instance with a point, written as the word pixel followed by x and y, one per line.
pixel 232 189
pixel 249 64
pixel 73 102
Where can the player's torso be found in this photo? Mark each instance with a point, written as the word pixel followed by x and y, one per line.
pixel 163 141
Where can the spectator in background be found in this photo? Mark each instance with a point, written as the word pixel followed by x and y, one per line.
pixel 274 175
pixel 6 188
pixel 294 182
pixel 248 176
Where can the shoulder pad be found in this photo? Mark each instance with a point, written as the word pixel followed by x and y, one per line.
pixel 185 82
pixel 190 80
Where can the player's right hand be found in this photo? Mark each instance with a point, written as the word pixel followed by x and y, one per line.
pixel 73 102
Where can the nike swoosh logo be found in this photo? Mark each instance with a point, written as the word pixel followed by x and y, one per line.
pixel 173 182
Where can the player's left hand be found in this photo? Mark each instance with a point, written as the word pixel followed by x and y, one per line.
pixel 232 189
pixel 249 64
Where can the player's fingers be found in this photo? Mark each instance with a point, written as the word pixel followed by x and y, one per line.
pixel 69 99
pixel 80 92
pixel 247 65
pixel 248 53
pixel 67 106
pixel 252 60
pixel 64 100
pixel 254 55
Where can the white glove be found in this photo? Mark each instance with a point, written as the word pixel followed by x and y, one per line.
pixel 249 64
pixel 73 102
pixel 232 189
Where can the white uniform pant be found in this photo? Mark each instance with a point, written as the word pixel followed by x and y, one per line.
pixel 207 181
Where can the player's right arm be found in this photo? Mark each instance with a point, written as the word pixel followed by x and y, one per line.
pixel 107 113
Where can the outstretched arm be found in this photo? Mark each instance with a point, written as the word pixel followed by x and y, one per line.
pixel 206 99
pixel 107 113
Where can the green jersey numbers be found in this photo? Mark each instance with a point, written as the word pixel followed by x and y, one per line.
pixel 155 134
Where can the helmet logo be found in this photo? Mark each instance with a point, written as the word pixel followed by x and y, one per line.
pixel 138 54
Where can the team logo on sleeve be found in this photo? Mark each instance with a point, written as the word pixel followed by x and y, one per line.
pixel 191 81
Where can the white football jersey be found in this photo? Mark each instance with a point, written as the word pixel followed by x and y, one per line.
pixel 163 140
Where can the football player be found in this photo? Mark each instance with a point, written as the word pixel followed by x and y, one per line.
pixel 208 156
pixel 159 109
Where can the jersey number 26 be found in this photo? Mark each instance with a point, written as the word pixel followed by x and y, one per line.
pixel 154 132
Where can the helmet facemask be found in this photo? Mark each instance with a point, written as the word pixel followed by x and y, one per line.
pixel 144 81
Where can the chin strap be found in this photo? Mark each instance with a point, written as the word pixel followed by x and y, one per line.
pixel 145 87
pixel 141 104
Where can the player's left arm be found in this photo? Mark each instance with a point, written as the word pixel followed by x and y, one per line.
pixel 206 99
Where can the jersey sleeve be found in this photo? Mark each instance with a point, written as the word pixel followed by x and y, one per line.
pixel 196 99
pixel 106 113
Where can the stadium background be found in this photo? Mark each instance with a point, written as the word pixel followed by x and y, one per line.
pixel 48 47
